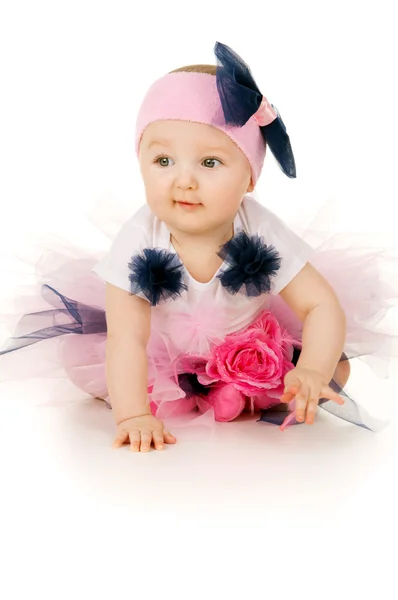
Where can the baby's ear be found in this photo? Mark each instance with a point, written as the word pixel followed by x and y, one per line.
pixel 251 186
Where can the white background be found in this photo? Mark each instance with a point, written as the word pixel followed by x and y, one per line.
pixel 311 512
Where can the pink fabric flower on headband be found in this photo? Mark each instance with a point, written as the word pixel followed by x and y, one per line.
pixel 265 114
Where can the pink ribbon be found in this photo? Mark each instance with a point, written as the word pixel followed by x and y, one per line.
pixel 265 114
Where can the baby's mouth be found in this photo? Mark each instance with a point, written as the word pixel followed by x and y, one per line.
pixel 183 203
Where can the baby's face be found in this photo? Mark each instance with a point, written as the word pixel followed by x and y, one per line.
pixel 195 163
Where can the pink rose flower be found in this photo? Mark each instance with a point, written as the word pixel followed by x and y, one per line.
pixel 268 323
pixel 255 359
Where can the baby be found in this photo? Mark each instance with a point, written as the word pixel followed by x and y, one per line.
pixel 211 304
pixel 199 162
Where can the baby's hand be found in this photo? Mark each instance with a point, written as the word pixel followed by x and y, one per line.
pixel 139 433
pixel 307 386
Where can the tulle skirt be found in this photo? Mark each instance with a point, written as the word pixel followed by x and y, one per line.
pixel 57 328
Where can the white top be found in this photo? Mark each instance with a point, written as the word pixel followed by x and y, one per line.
pixel 199 301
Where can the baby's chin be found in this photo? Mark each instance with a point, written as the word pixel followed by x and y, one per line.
pixel 193 225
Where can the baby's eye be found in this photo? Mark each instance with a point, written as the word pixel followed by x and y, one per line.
pixel 208 161
pixel 162 161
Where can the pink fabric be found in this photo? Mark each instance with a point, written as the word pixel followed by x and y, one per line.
pixel 226 401
pixel 253 360
pixel 265 114
pixel 194 97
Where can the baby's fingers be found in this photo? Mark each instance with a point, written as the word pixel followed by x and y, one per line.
pixel 312 405
pixel 328 393
pixel 290 392
pixel 146 439
pixel 120 439
pixel 168 438
pixel 135 441
pixel 301 402
pixel 158 440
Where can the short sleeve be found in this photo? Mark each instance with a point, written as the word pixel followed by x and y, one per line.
pixel 293 250
pixel 114 266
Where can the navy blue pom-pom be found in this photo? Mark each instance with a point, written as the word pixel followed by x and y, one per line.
pixel 252 264
pixel 157 274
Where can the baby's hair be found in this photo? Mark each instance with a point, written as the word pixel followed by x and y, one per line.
pixel 210 69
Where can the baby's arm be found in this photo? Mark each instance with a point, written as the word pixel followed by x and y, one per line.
pixel 315 303
pixel 128 325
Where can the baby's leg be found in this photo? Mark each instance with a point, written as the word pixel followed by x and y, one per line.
pixel 342 372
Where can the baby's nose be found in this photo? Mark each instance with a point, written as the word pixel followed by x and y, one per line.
pixel 186 178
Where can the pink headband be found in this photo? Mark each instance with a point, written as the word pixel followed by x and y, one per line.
pixel 194 97
pixel 230 100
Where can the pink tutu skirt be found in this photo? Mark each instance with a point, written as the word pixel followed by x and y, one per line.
pixel 58 329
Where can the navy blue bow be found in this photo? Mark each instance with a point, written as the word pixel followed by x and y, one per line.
pixel 241 98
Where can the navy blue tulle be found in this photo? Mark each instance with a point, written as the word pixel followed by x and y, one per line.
pixel 67 316
pixel 241 98
pixel 189 384
pixel 158 274
pixel 251 265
